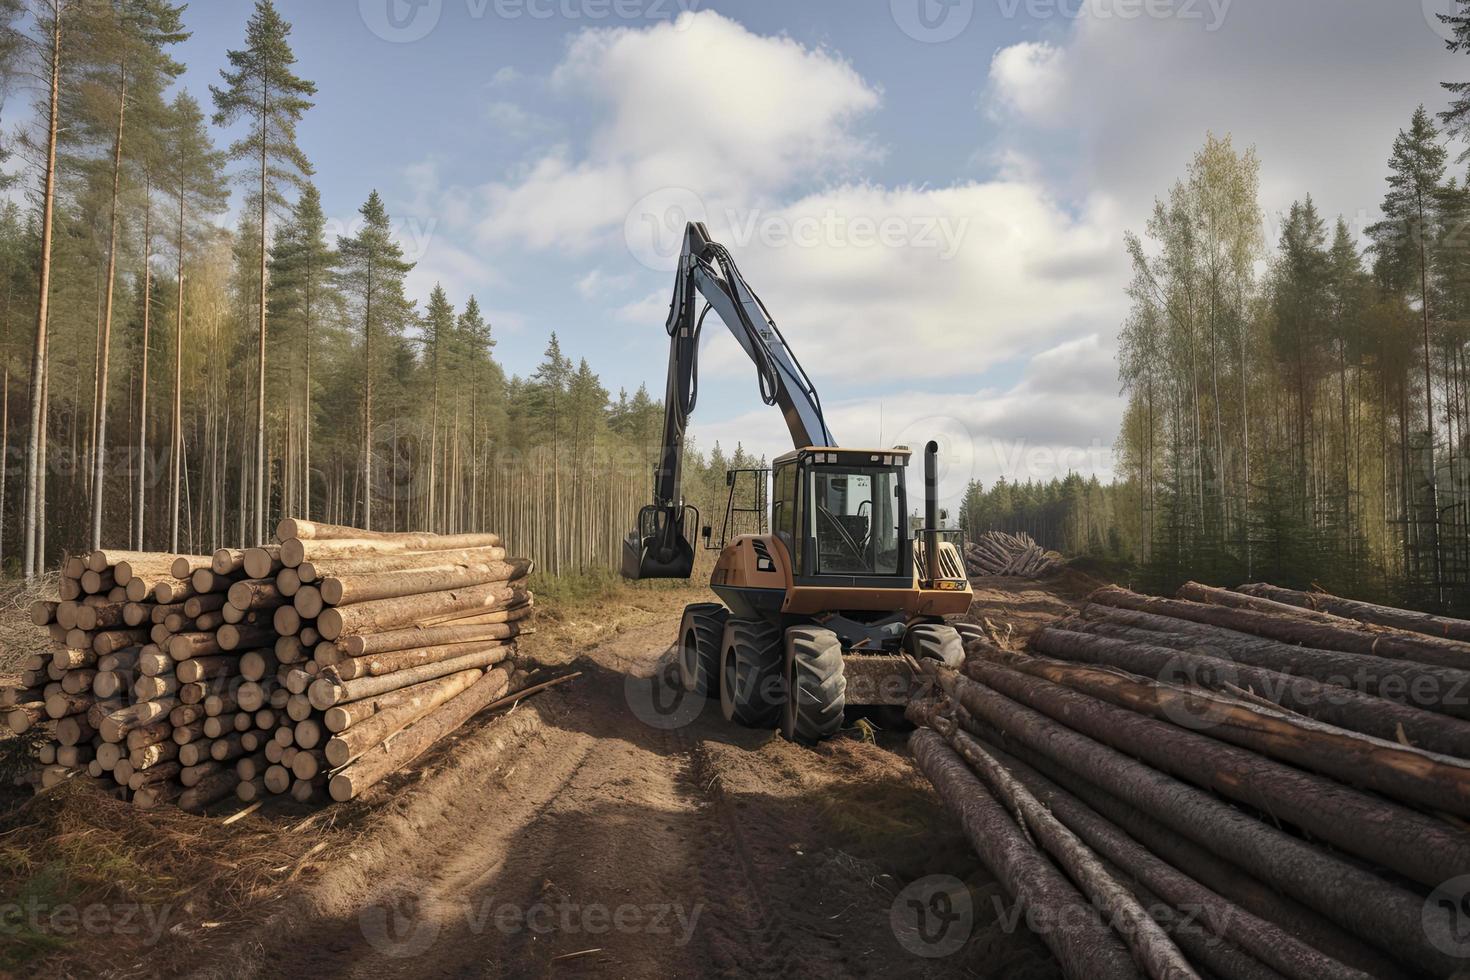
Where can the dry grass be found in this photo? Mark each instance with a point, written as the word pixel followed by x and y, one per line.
pixel 91 872
pixel 564 629
pixel 18 636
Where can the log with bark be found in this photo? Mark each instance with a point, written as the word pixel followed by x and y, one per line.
pixel 1184 660
pixel 1416 845
pixel 1085 948
pixel 1017 555
pixel 1365 612
pixel 1262 938
pixel 385 614
pixel 165 688
pixel 1376 642
pixel 1398 771
pixel 296 550
pixel 1380 910
pixel 1434 688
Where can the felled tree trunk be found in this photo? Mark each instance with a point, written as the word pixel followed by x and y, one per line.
pixel 1366 612
pixel 385 614
pixel 1391 916
pixel 1396 770
pixel 408 744
pixel 1293 629
pixel 1085 948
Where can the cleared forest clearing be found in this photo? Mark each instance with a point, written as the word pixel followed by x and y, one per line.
pixel 570 801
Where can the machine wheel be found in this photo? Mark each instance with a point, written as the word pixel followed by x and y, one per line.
pixel 816 688
pixel 971 631
pixel 750 673
pixel 936 641
pixel 700 633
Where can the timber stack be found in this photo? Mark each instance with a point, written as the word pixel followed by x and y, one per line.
pixel 387 642
pixel 1242 784
pixel 315 666
pixel 1017 555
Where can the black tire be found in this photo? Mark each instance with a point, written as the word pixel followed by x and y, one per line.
pixel 971 631
pixel 935 641
pixel 751 686
pixel 816 688
pixel 700 633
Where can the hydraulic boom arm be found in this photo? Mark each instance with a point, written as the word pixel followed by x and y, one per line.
pixel 658 546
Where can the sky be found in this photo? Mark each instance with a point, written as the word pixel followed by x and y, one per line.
pixel 930 196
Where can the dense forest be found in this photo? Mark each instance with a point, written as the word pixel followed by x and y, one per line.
pixel 195 382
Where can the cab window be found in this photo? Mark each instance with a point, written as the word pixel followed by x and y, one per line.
pixel 854 523
pixel 783 505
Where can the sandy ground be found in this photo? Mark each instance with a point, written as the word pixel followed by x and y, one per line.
pixel 610 827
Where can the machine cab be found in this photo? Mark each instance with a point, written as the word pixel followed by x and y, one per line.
pixel 843 515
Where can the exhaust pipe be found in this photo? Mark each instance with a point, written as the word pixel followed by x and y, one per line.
pixel 931 510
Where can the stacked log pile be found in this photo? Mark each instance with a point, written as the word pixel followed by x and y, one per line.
pixel 1242 783
pixel 105 689
pixel 314 667
pixel 1016 555
pixel 388 642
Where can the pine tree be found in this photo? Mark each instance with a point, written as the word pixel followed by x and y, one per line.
pixel 126 67
pixel 1457 117
pixel 52 26
pixel 438 329
pixel 303 297
pixel 487 394
pixel 16 282
pixel 1403 243
pixel 262 88
pixel 1300 304
pixel 371 273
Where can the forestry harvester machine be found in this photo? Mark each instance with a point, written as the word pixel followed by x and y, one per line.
pixel 820 607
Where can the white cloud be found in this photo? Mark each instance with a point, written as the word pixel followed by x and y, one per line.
pixel 982 272
pixel 651 310
pixel 868 281
pixel 598 283
pixel 700 103
pixel 513 121
pixel 1318 87
pixel 1029 78
pixel 1041 428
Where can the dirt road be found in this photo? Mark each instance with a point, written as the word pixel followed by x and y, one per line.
pixel 610 828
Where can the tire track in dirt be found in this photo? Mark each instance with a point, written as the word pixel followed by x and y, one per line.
pixel 713 842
